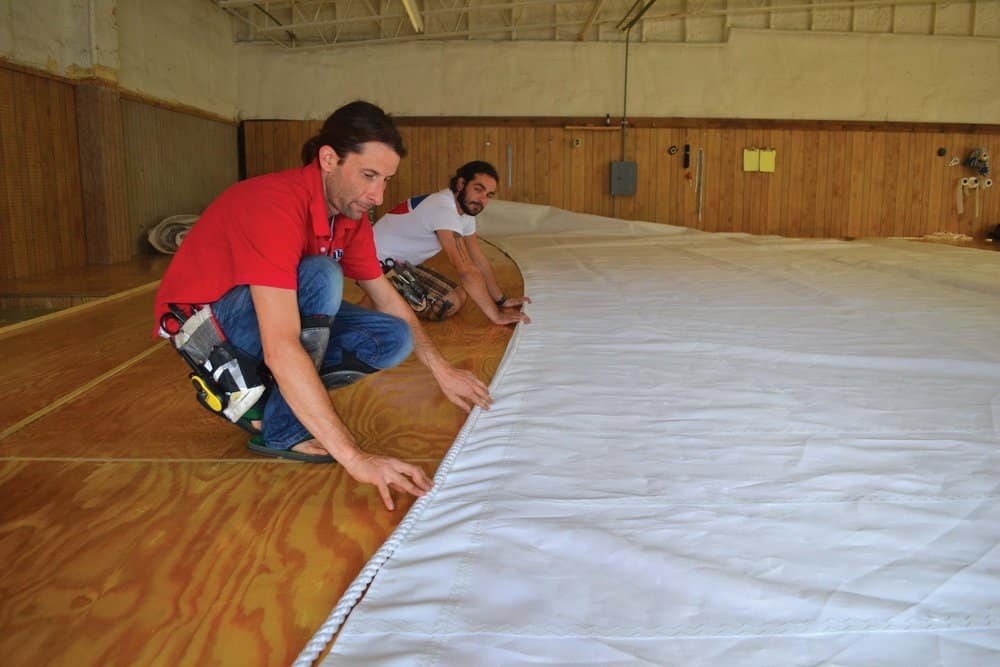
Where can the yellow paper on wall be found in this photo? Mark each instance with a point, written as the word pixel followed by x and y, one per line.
pixel 767 159
pixel 751 159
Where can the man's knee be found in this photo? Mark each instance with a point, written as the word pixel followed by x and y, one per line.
pixel 320 286
pixel 402 340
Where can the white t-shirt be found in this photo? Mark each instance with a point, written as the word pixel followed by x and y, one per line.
pixel 407 232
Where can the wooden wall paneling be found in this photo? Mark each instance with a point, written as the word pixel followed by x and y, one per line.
pixel 251 145
pixel 586 200
pixel 596 156
pixel 625 205
pixel 13 234
pixel 890 182
pixel 643 151
pixel 860 179
pixel 43 152
pixel 526 156
pixel 506 163
pixel 753 187
pixel 6 171
pixel 966 222
pixel 66 181
pixel 900 216
pixel 562 148
pixel 713 180
pixel 269 147
pixel 444 163
pixel 878 148
pixel 455 153
pixel 610 149
pixel 773 190
pixel 792 183
pixel 472 149
pixel 841 185
pixel 661 165
pixel 102 154
pixel 576 176
pixel 990 217
pixel 946 179
pixel 831 181
pixel 175 163
pixel 40 256
pixel 726 156
pixel 676 181
pixel 491 148
pixel 542 176
pixel 919 182
pixel 816 219
pixel 420 162
pixel 447 162
pixel 897 223
pixel 435 160
pixel 287 152
pixel 926 217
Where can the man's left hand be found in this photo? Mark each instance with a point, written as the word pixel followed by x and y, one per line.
pixel 464 389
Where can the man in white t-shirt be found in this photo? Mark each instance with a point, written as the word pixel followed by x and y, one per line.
pixel 423 226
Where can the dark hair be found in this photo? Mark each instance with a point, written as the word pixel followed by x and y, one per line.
pixel 352 125
pixel 468 171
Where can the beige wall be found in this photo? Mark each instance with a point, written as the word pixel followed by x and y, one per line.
pixel 756 74
pixel 180 52
pixel 50 35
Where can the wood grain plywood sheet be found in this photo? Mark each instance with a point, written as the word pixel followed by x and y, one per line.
pixel 48 360
pixel 177 564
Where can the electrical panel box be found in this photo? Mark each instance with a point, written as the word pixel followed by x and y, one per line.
pixel 623 177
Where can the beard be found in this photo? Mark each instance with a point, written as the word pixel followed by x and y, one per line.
pixel 468 208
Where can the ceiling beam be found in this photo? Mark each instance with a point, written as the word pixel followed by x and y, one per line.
pixel 598 5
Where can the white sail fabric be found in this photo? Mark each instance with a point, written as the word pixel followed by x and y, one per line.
pixel 714 449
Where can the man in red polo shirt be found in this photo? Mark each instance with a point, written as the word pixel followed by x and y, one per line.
pixel 268 259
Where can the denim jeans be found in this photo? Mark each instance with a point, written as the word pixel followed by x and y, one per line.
pixel 376 339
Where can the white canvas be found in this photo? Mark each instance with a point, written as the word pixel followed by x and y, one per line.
pixel 711 449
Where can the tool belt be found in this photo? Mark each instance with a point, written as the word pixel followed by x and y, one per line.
pixel 225 380
pixel 423 288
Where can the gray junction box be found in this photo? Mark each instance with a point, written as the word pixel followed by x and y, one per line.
pixel 623 177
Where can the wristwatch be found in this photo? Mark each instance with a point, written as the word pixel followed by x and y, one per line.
pixel 501 300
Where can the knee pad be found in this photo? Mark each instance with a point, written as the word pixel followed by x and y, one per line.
pixel 315 337
pixel 348 371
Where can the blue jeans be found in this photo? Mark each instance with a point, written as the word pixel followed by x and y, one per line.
pixel 376 339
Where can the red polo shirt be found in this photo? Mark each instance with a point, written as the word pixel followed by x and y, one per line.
pixel 257 232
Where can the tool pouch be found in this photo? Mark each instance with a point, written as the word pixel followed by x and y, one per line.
pixel 407 284
pixel 225 379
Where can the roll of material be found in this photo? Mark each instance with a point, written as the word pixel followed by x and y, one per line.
pixel 964 182
pixel 973 183
pixel 987 183
pixel 166 235
pixel 960 195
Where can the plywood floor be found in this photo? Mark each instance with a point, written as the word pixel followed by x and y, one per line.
pixel 135 528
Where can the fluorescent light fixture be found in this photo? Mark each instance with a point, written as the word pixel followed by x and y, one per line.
pixel 411 10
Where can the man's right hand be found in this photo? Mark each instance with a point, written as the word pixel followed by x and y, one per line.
pixel 385 472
